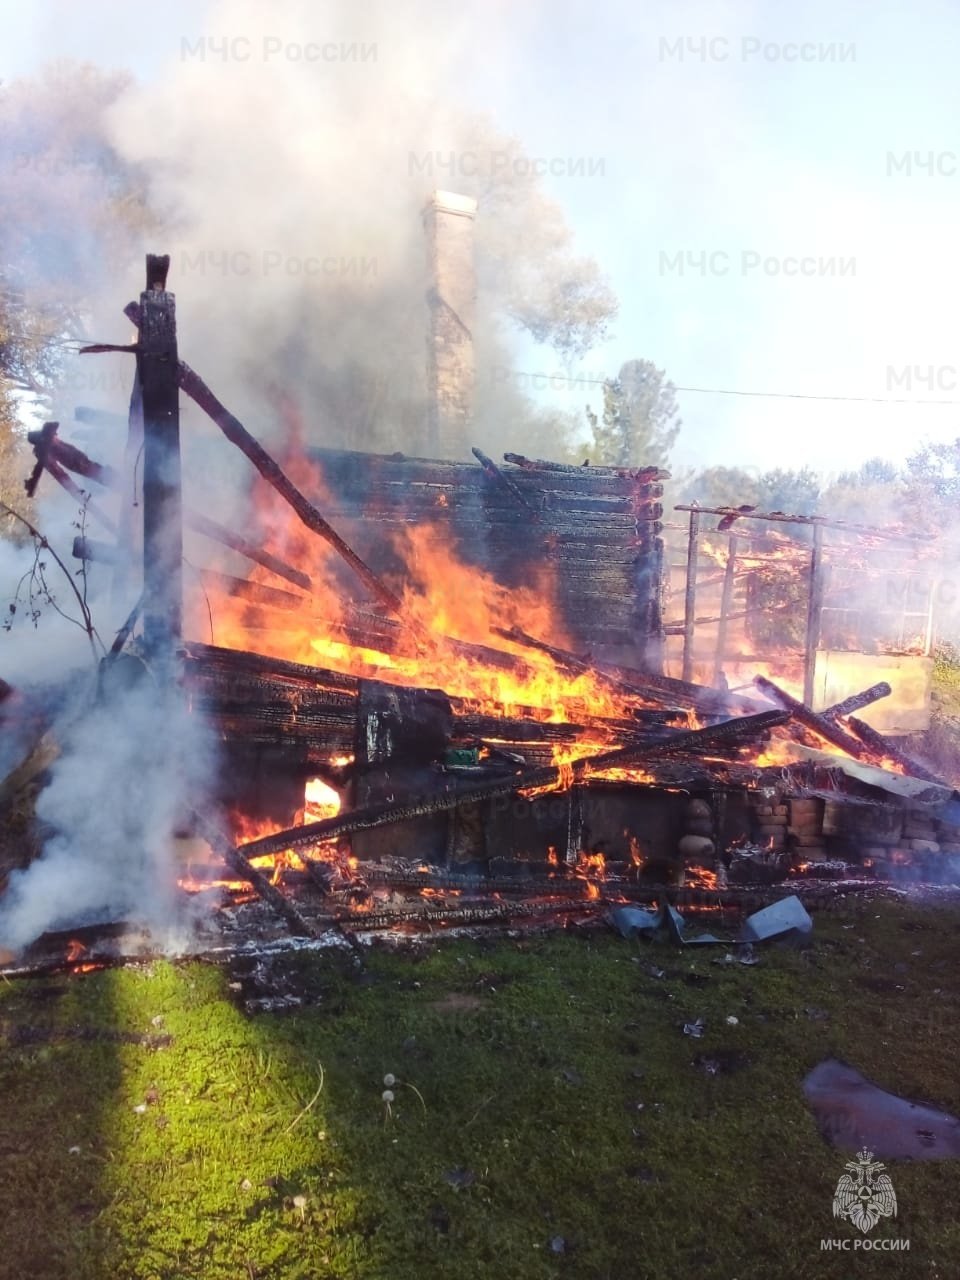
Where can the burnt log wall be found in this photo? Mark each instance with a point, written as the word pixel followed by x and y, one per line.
pixel 595 530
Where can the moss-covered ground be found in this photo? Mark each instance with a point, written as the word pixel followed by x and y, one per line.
pixel 550 1118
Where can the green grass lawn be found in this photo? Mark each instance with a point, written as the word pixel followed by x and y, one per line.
pixel 567 1128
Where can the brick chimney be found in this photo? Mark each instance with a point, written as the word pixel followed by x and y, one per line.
pixel 451 295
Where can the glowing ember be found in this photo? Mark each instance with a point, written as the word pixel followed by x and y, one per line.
pixel 595 862
pixel 633 846
pixel 320 801
pixel 700 878
pixel 203 872
pixel 75 949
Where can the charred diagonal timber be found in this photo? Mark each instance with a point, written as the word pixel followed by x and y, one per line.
pixel 42 442
pixel 237 861
pixel 73 459
pixel 47 462
pixel 254 592
pixel 857 701
pixel 123 635
pixel 545 778
pixel 882 747
pixel 495 474
pixel 571 663
pixel 211 529
pixel 251 448
pixel 818 724
pixel 234 430
pixel 634 684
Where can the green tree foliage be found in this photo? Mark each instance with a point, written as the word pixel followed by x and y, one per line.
pixel 640 422
pixel 69 207
pixel 792 492
pixel 932 487
pixel 875 471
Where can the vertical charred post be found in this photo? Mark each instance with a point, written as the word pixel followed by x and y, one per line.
pixel 814 612
pixel 158 376
pixel 690 596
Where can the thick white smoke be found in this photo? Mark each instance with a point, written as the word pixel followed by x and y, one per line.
pixel 131 768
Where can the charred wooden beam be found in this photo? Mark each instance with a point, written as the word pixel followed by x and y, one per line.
pixel 238 435
pixel 508 486
pixel 237 861
pixel 254 592
pixel 857 701
pixel 234 430
pixel 570 661
pixel 101 552
pixel 548 777
pixel 881 746
pixel 646 475
pixel 819 724
pixel 432 913
pixel 238 662
pixel 41 441
pixel 123 635
pixel 683 693
pixel 75 460
pixel 157 364
pixel 632 684
pixel 82 499
pixel 218 533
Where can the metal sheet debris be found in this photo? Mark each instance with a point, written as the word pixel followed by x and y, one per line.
pixel 787 918
pixel 664 924
pixel 853 1114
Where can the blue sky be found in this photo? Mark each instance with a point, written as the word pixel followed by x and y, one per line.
pixel 742 156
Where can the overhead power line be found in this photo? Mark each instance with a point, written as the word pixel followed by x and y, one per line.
pixel 726 391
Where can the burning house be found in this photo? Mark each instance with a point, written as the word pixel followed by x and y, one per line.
pixel 437 687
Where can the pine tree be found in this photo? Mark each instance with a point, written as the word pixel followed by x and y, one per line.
pixel 640 423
